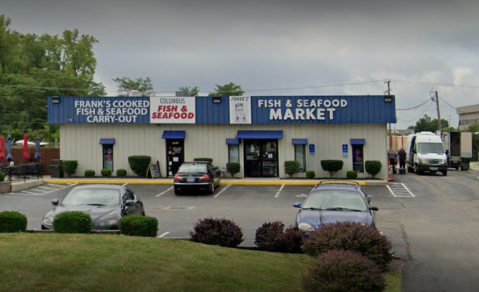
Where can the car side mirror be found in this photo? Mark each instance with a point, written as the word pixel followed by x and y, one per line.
pixel 373 208
pixel 129 203
pixel 297 205
pixel 55 202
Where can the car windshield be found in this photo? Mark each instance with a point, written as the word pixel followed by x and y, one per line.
pixel 93 197
pixel 335 201
pixel 430 148
pixel 192 168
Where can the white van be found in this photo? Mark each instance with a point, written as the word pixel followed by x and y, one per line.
pixel 425 152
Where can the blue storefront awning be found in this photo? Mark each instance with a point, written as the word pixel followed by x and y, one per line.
pixel 107 141
pixel 358 141
pixel 233 141
pixel 174 135
pixel 260 135
pixel 300 141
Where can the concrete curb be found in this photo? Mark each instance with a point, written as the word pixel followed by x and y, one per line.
pixel 223 182
pixel 21 186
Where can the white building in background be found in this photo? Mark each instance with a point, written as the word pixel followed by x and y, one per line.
pixel 468 116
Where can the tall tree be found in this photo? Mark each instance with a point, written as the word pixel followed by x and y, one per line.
pixel 426 123
pixel 188 91
pixel 125 85
pixel 229 89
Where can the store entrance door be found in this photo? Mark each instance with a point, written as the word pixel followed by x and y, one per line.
pixel 261 158
pixel 175 155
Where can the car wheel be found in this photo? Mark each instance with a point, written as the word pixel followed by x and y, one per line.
pixel 143 213
pixel 212 187
pixel 457 167
pixel 444 173
pixel 177 192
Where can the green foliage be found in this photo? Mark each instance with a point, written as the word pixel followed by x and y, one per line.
pixel 106 172
pixel 205 159
pixel 72 222
pixel 332 166
pixel 89 173
pixel 310 174
pixel 121 172
pixel 139 164
pixel 135 225
pixel 222 232
pixel 351 174
pixel 271 236
pixel 229 89
pixel 350 236
pixel 342 270
pixel 188 91
pixel 373 167
pixel 426 123
pixel 125 85
pixel 291 167
pixel 233 168
pixel 70 167
pixel 2 176
pixel 12 221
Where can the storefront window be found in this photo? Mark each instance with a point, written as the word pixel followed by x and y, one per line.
pixel 108 156
pixel 358 161
pixel 233 153
pixel 300 156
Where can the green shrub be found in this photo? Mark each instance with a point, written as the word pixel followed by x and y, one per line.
pixel 352 174
pixel 139 164
pixel 135 225
pixel 222 232
pixel 12 221
pixel 342 270
pixel 70 167
pixel 106 172
pixel 2 176
pixel 121 172
pixel 72 222
pixel 89 173
pixel 233 168
pixel 310 174
pixel 271 236
pixel 203 159
pixel 350 236
pixel 373 167
pixel 332 166
pixel 291 167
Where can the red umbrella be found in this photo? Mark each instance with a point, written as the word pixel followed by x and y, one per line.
pixel 2 148
pixel 25 147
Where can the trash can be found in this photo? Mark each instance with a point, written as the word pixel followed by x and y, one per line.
pixel 56 168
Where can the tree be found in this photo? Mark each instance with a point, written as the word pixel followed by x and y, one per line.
pixel 426 123
pixel 229 89
pixel 125 85
pixel 188 91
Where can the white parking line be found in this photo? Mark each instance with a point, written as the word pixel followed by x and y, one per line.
pixel 57 186
pixel 30 193
pixel 45 188
pixel 124 185
pixel 279 191
pixel 216 196
pixel 163 235
pixel 399 190
pixel 164 192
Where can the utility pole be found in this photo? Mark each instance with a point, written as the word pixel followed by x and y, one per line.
pixel 439 115
pixel 390 137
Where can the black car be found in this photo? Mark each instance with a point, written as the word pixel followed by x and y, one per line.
pixel 196 175
pixel 106 204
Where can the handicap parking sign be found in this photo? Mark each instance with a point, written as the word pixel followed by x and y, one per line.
pixel 345 148
pixel 311 149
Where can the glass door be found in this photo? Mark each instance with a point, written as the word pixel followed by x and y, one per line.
pixel 261 158
pixel 175 155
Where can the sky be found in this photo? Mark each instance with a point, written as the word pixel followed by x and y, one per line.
pixel 304 47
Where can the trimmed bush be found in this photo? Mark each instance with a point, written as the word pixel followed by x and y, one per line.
pixel 72 222
pixel 139 164
pixel 271 236
pixel 222 232
pixel 203 159
pixel 106 172
pixel 332 166
pixel 233 168
pixel 2 176
pixel 373 167
pixel 352 174
pixel 89 173
pixel 70 167
pixel 291 167
pixel 310 174
pixel 135 225
pixel 350 236
pixel 12 221
pixel 342 270
pixel 121 172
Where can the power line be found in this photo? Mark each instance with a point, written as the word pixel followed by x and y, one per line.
pixel 433 83
pixel 418 116
pixel 414 107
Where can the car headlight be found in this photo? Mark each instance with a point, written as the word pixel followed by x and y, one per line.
pixel 306 227
pixel 47 221
pixel 108 222
pixel 444 162
pixel 422 161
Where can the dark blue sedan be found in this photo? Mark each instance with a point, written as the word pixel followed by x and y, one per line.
pixel 335 202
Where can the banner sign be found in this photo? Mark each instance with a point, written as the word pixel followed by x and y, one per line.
pixel 107 110
pixel 172 110
pixel 240 110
